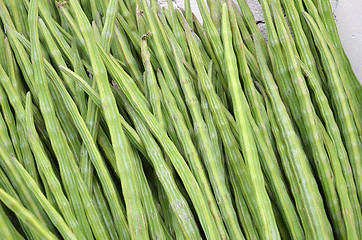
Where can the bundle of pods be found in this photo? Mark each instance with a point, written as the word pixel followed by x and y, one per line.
pixel 121 119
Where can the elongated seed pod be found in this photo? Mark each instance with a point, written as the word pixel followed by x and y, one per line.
pixel 55 217
pixel 155 221
pixel 92 150
pixel 131 133
pixel 233 154
pixel 205 38
pixel 7 186
pixel 75 184
pixel 25 215
pixel 210 27
pixel 59 60
pixel 189 148
pixel 152 87
pixel 130 185
pixel 176 200
pixel 346 207
pixel 212 163
pixel 10 122
pixel 8 230
pixel 24 195
pixel 325 11
pixel 29 75
pixel 335 135
pixel 248 17
pixel 279 66
pixel 177 160
pixel 341 106
pixel 44 165
pixel 101 202
pixel 310 120
pixel 304 187
pixel 246 139
pixel 130 59
pixel 159 38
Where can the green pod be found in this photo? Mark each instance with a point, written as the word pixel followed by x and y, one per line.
pixel 213 164
pixel 176 201
pixel 305 191
pixel 170 149
pixel 11 125
pixel 210 27
pixel 246 139
pixel 312 133
pixel 162 49
pixel 334 133
pixel 8 230
pixel 61 113
pixel 26 216
pixel 101 203
pixel 189 149
pixel 326 13
pixel 340 105
pixel 54 216
pixel 73 183
pixel 153 90
pixel 346 207
pixel 46 169
pixel 107 31
pixel 121 145
pixel 129 131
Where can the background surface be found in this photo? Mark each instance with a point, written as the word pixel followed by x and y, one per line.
pixel 348 15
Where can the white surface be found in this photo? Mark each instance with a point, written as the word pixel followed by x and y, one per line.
pixel 348 15
pixel 349 22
